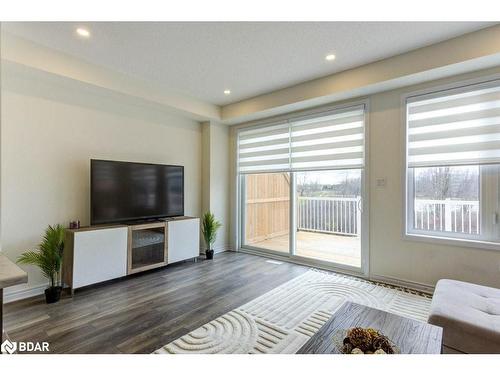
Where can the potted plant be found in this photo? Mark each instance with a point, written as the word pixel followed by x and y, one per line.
pixel 210 226
pixel 48 258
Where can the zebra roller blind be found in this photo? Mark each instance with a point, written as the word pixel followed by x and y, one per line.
pixel 458 127
pixel 334 140
pixel 264 149
pixel 329 140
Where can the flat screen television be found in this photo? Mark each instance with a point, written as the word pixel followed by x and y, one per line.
pixel 124 191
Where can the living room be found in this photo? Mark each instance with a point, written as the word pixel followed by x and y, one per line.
pixel 316 187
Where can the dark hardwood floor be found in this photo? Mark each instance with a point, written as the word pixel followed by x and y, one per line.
pixel 141 313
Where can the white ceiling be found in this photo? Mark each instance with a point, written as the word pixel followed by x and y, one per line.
pixel 202 59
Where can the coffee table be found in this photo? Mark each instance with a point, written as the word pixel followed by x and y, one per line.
pixel 410 336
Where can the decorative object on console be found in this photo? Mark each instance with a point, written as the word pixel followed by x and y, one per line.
pixel 75 224
pixel 48 258
pixel 210 226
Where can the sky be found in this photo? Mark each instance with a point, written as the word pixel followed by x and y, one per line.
pixel 328 177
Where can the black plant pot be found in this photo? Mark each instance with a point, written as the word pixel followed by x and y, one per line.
pixel 209 254
pixel 53 294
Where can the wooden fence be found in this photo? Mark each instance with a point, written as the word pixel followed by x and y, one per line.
pixel 267 206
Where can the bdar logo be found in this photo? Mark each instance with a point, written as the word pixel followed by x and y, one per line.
pixel 9 347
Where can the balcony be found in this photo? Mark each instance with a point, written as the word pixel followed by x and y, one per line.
pixel 329 228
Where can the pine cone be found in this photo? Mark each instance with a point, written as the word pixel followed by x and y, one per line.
pixel 357 351
pixel 373 332
pixel 347 348
pixel 360 338
pixel 382 342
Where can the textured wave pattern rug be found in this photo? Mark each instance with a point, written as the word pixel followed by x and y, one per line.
pixel 282 320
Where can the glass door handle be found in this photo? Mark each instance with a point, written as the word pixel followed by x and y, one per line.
pixel 360 204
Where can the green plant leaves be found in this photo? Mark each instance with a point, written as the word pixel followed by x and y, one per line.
pixel 49 256
pixel 209 228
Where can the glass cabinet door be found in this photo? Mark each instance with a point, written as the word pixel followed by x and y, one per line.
pixel 147 247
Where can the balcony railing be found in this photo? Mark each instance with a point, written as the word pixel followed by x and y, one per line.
pixel 447 215
pixel 329 215
pixel 342 215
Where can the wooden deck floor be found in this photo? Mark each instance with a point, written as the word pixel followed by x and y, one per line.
pixel 141 313
pixel 329 247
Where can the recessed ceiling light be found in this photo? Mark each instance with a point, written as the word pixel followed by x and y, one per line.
pixel 227 92
pixel 330 57
pixel 84 33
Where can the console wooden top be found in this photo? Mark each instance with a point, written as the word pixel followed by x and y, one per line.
pixel 96 227
pixel 180 218
pixel 112 226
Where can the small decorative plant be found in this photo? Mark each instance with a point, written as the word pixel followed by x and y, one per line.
pixel 48 258
pixel 209 228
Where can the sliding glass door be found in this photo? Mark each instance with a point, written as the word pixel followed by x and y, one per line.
pixel 301 186
pixel 328 224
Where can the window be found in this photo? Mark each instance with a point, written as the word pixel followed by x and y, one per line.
pixel 453 158
pixel 301 186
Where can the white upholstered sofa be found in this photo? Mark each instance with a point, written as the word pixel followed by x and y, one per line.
pixel 469 315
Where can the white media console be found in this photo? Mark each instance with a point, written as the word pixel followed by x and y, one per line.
pixel 101 253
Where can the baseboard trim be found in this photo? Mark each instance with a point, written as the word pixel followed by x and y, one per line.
pixel 17 295
pixel 421 287
pixel 219 249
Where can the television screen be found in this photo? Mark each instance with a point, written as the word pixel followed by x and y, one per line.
pixel 123 191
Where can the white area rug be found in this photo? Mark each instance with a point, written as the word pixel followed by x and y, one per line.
pixel 282 320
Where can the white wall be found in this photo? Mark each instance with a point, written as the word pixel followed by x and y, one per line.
pixel 219 182
pixel 391 256
pixel 215 194
pixel 205 170
pixel 49 133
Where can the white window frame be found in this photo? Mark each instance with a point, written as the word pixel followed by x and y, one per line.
pixel 431 233
pixel 483 241
pixel 364 270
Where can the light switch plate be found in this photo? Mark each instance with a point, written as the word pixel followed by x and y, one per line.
pixel 381 182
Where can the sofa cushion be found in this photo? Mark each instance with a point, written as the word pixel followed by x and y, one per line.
pixel 469 315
